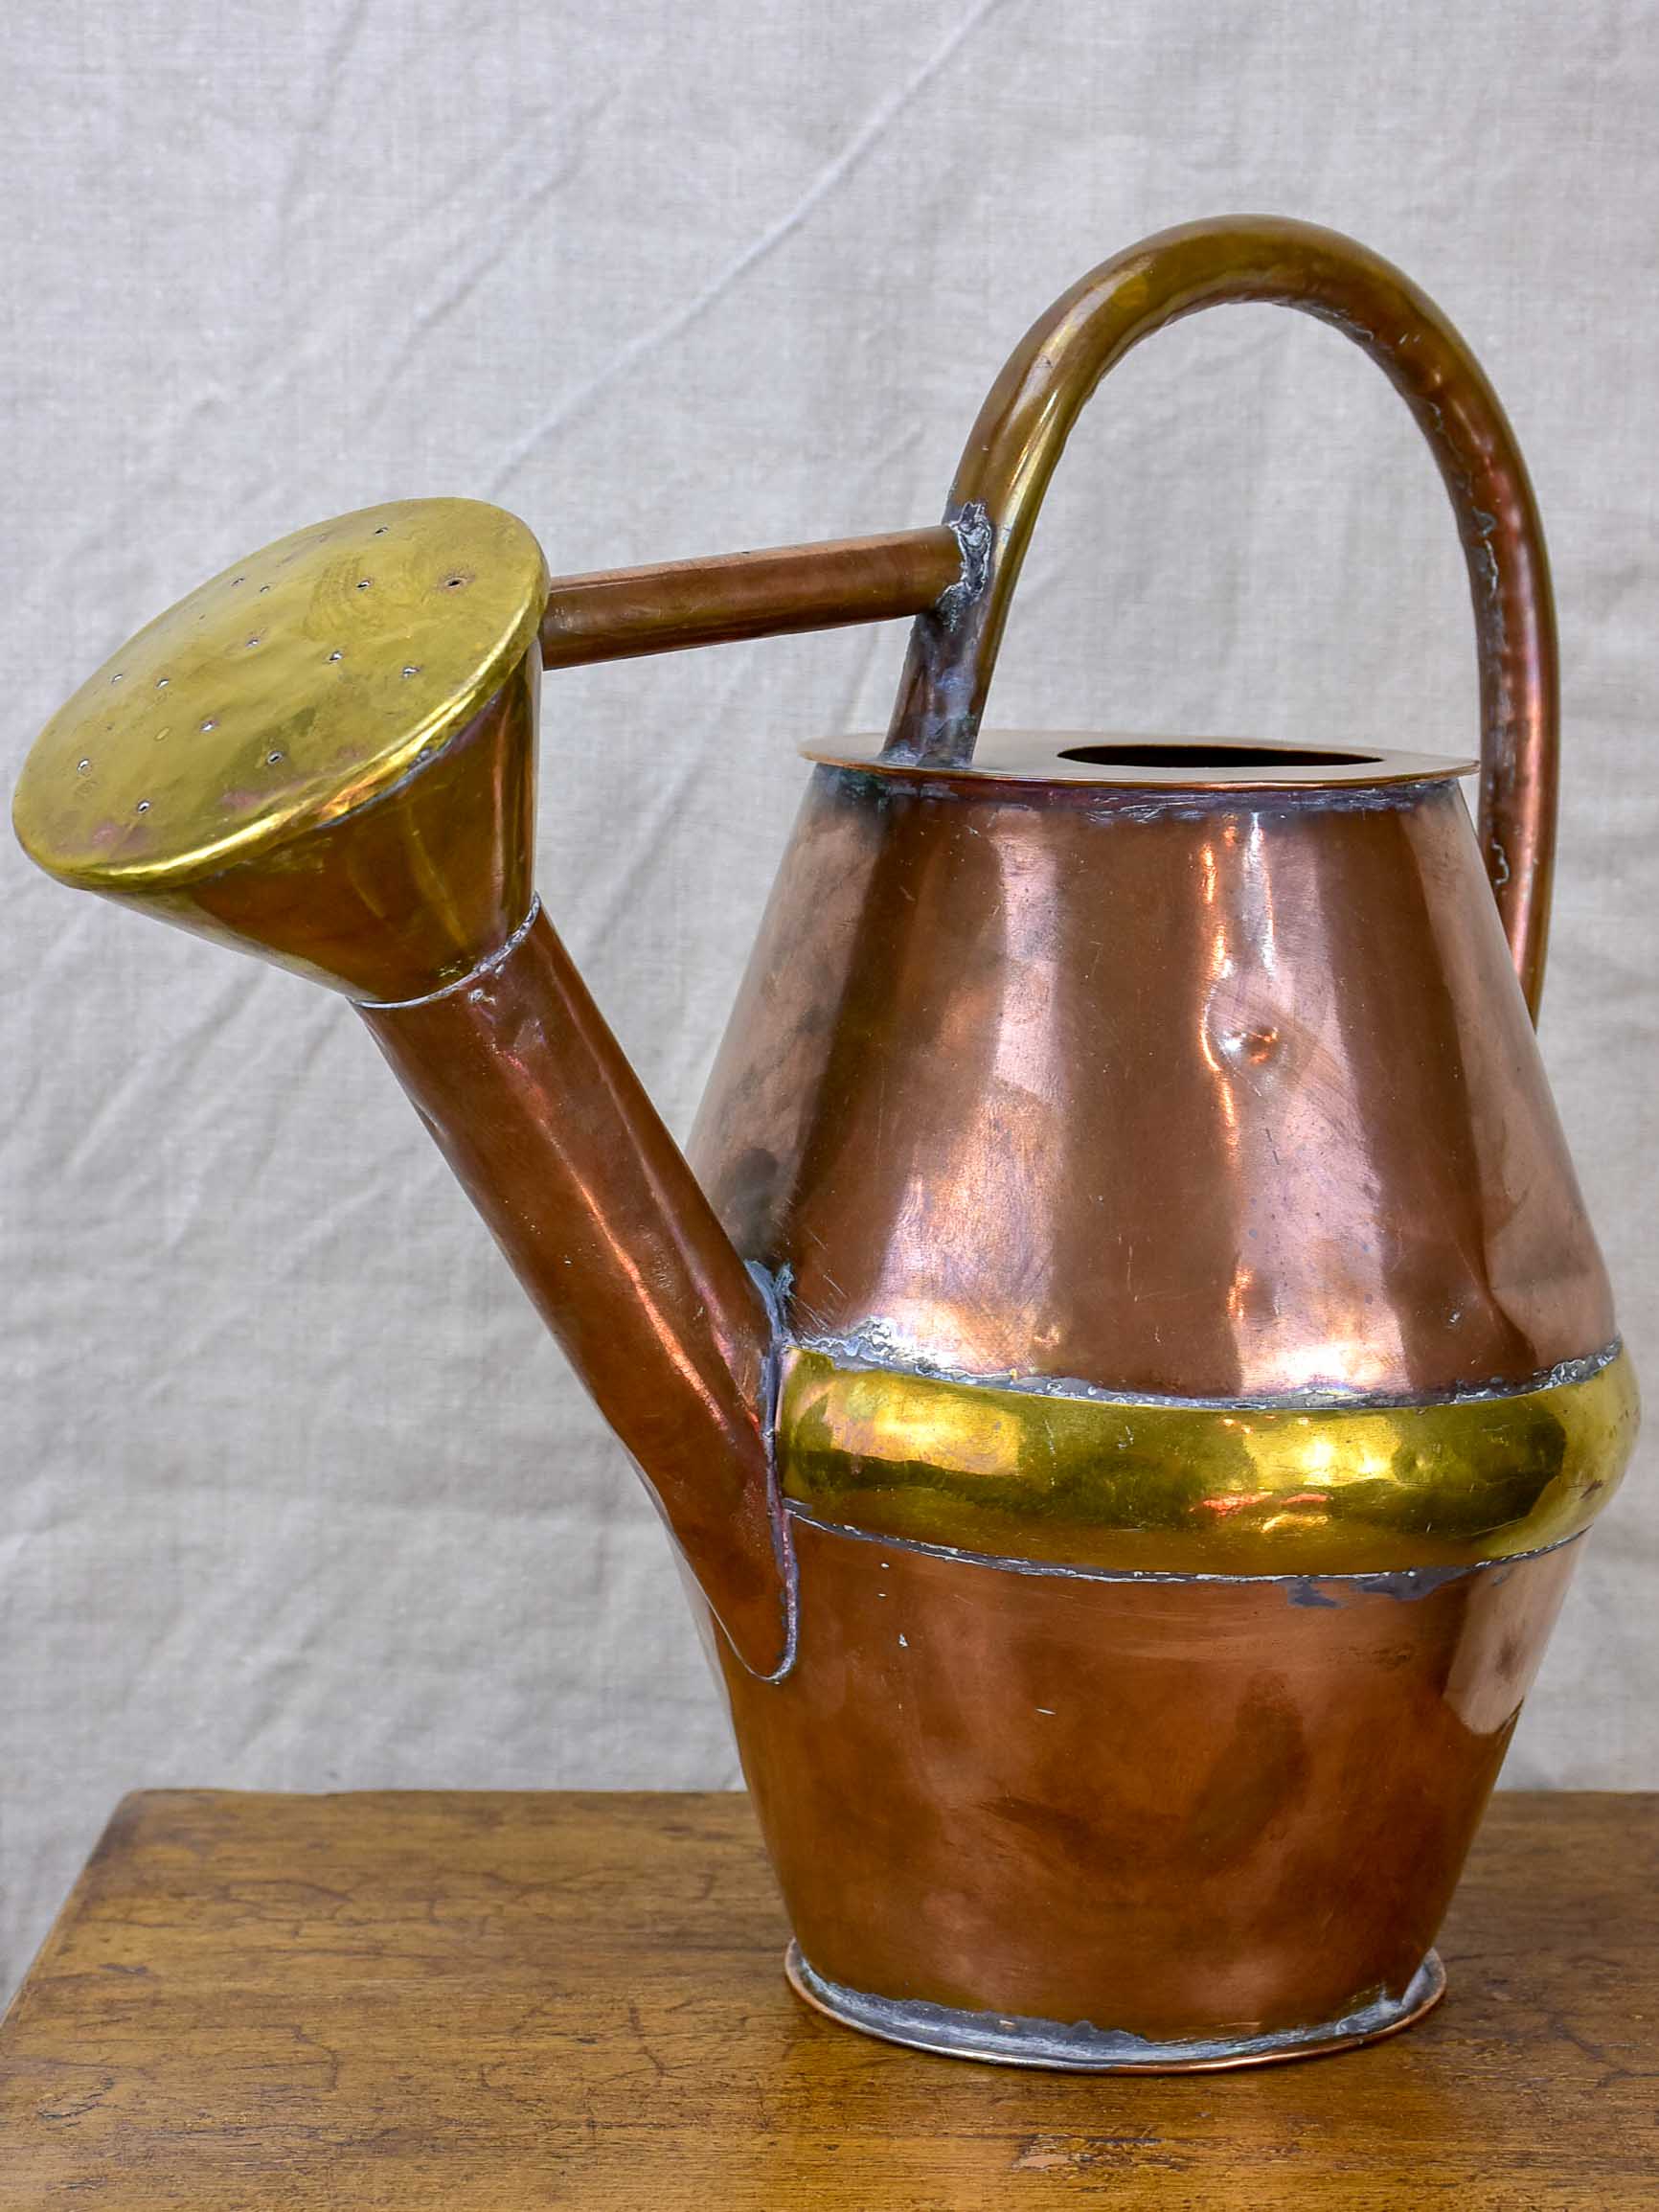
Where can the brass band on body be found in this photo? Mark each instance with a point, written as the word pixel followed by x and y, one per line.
pixel 1312 1489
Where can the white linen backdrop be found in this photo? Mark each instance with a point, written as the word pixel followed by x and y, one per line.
pixel 296 1494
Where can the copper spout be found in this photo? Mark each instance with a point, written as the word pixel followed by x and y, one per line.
pixel 325 756
pixel 538 1112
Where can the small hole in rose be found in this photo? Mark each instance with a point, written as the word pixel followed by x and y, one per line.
pixel 162 682
pixel 212 723
pixel 413 669
pixel 115 678
pixel 364 581
pixel 274 760
pixel 333 656
pixel 83 767
pixel 143 806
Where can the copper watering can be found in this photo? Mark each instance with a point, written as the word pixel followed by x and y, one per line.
pixel 1123 1359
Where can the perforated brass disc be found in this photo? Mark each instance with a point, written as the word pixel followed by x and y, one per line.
pixel 291 689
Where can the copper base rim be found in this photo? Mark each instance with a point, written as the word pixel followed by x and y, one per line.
pixel 1017 2039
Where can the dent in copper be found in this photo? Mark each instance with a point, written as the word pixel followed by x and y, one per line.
pixel 1202 1094
pixel 1028 415
pixel 1182 1809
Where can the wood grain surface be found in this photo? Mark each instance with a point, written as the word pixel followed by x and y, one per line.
pixel 497 2003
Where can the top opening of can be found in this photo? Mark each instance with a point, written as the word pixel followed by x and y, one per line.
pixel 1107 760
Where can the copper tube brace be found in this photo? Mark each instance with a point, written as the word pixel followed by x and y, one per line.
pixel 621 613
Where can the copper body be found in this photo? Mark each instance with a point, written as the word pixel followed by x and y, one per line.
pixel 1203 1093
pixel 1190 1812
pixel 1172 1086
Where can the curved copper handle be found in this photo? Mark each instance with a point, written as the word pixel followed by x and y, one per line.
pixel 1024 423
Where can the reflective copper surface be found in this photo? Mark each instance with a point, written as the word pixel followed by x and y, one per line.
pixel 627 611
pixel 1028 415
pixel 545 1123
pixel 1173 1091
pixel 1184 1810
pixel 1130 1157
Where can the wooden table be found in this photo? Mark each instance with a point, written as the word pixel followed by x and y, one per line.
pixel 448 2003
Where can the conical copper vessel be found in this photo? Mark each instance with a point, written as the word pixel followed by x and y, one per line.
pixel 1123 1359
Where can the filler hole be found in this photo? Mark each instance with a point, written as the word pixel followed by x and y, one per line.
pixel 1204 757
